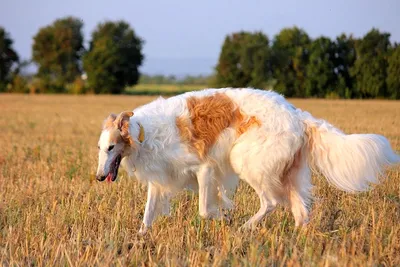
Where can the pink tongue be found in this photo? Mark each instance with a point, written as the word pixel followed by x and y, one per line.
pixel 108 179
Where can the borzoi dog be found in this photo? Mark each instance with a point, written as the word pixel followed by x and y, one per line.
pixel 207 140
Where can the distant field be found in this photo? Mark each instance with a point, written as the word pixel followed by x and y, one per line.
pixel 166 89
pixel 53 212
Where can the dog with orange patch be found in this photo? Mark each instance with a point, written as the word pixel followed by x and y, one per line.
pixel 207 140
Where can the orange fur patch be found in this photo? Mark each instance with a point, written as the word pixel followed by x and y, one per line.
pixel 246 122
pixel 208 117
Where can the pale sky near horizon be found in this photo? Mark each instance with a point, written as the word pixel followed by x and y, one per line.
pixel 185 37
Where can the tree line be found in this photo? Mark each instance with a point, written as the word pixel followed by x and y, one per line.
pixel 291 63
pixel 108 65
pixel 201 80
pixel 298 66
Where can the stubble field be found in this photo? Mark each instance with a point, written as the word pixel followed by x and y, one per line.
pixel 54 212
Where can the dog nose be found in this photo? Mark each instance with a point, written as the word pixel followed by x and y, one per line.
pixel 100 178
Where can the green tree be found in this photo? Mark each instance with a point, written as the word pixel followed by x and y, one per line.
pixel 393 73
pixel 290 57
pixel 345 55
pixel 370 67
pixel 57 50
pixel 320 71
pixel 244 61
pixel 8 59
pixel 114 57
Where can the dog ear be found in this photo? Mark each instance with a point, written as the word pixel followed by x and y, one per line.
pixel 122 121
pixel 109 122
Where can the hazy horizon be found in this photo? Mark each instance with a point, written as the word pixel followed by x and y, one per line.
pixel 185 38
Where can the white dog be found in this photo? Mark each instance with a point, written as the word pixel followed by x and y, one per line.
pixel 207 140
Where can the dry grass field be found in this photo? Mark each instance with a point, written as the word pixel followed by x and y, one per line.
pixel 53 212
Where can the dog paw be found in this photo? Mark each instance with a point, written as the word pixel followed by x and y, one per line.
pixel 248 226
pixel 143 230
pixel 212 214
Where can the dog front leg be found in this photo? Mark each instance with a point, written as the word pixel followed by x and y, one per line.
pixel 152 209
pixel 208 192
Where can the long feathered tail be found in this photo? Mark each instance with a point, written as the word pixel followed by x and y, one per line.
pixel 349 162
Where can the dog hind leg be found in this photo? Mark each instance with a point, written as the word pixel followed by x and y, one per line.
pixel 299 188
pixel 166 207
pixel 266 206
pixel 261 160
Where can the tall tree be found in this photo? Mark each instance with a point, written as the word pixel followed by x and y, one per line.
pixel 57 49
pixel 370 68
pixel 393 73
pixel 345 56
pixel 244 60
pixel 290 57
pixel 320 70
pixel 114 57
pixel 8 59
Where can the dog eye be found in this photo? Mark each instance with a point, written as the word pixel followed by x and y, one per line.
pixel 110 148
pixel 98 147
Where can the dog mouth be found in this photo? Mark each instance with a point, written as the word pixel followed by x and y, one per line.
pixel 112 175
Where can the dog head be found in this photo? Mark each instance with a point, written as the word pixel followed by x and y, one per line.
pixel 114 144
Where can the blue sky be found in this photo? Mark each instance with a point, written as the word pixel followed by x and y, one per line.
pixel 185 37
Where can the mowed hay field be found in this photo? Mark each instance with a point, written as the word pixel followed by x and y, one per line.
pixel 54 212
